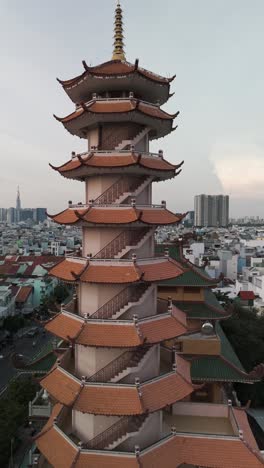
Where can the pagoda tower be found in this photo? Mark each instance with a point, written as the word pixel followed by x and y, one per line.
pixel 109 388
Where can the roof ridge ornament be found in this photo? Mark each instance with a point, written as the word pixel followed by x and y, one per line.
pixel 118 53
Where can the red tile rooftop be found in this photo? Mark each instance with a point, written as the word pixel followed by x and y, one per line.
pixel 116 334
pixel 115 68
pixel 172 452
pixel 117 215
pixel 23 294
pixel 114 272
pixel 116 399
pixel 118 106
pixel 115 160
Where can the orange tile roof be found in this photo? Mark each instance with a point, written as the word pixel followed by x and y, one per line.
pixel 116 272
pixel 165 391
pixel 64 326
pixel 107 334
pixel 120 215
pixel 161 329
pixel 58 450
pixel 243 424
pixel 113 160
pixel 116 68
pixel 106 460
pixel 128 400
pixel 116 400
pixel 113 334
pixel 166 269
pixel 67 270
pixel 173 452
pixel 23 294
pixel 118 107
pixel 207 451
pixel 63 387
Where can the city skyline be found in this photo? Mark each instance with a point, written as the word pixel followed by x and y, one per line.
pixel 215 52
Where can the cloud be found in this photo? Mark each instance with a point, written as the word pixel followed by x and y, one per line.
pixel 240 168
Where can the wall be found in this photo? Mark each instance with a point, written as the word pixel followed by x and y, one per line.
pixel 87 426
pixel 150 367
pixel 89 360
pixel 146 309
pixel 96 185
pixel 113 134
pixel 94 296
pixel 95 239
pixel 149 434
pixel 180 294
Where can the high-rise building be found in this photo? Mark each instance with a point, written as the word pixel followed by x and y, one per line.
pixel 18 205
pixel 211 210
pixel 11 215
pixel 3 215
pixel 40 215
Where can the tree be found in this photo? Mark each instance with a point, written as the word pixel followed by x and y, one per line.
pixel 245 331
pixel 14 413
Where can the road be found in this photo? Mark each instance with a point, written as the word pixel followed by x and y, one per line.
pixel 21 346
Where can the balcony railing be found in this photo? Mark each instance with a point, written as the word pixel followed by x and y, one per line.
pixel 120 187
pixel 128 359
pixel 125 239
pixel 126 425
pixel 123 298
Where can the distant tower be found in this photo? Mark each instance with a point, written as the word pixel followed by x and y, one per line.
pixel 18 205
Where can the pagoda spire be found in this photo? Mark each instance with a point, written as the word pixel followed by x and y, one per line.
pixel 118 53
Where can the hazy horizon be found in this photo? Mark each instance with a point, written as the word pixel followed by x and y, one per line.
pixel 215 48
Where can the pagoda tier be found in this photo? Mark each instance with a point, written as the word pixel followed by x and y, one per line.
pixel 114 271
pixel 115 398
pixel 113 162
pixel 100 112
pixel 118 76
pixel 181 447
pixel 88 331
pixel 111 215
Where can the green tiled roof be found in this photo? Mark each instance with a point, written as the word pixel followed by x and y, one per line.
pixel 44 364
pixel 210 309
pixel 193 276
pixel 225 368
pixel 215 369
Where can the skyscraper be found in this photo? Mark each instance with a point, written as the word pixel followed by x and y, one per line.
pixel 211 210
pixel 18 205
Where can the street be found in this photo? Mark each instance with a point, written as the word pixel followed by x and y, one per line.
pixel 20 346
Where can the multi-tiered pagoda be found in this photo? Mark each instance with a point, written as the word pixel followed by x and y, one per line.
pixel 114 397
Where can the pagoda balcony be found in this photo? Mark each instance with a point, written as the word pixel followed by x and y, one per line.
pixel 178 447
pixel 201 418
pixel 116 205
pixel 104 110
pixel 118 333
pixel 101 162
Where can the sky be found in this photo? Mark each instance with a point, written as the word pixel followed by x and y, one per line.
pixel 215 47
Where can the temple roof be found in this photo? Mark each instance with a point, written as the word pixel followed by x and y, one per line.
pixel 113 162
pixel 172 451
pixel 116 215
pixel 210 309
pixel 117 75
pixel 106 110
pixel 193 276
pixel 119 399
pixel 115 272
pixel 117 334
pixel 223 368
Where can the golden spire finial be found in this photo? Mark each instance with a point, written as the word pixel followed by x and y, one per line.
pixel 118 53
